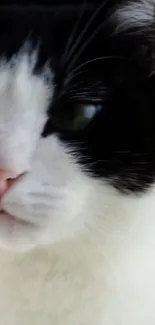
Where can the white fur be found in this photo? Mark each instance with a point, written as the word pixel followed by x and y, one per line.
pixel 97 264
pixel 103 276
pixel 139 13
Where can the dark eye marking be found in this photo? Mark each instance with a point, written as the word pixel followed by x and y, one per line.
pixel 72 117
pixel 76 117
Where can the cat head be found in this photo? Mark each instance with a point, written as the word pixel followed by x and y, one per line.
pixel 76 116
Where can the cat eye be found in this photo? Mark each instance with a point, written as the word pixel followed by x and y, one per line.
pixel 75 117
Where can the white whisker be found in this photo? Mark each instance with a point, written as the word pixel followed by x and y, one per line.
pixel 90 61
pixel 69 79
pixel 74 86
pixel 86 28
pixel 73 33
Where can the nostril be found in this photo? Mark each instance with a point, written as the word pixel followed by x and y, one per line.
pixel 7 180
pixel 11 181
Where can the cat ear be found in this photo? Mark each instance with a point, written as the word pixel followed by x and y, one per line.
pixel 134 14
pixel 134 27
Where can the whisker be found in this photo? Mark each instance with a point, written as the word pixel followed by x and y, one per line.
pixel 75 90
pixel 97 83
pixel 82 48
pixel 91 87
pixel 85 29
pixel 70 79
pixel 73 33
pixel 83 93
pixel 87 99
pixel 74 86
pixel 90 61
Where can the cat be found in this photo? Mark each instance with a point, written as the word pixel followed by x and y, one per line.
pixel 77 163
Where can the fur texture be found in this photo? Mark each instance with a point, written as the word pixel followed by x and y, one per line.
pixel 77 119
pixel 135 14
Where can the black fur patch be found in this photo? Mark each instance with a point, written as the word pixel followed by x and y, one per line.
pixel 86 54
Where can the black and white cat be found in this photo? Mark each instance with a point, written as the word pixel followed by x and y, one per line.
pixel 77 164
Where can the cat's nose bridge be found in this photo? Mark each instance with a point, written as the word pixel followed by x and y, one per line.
pixel 15 154
pixel 7 180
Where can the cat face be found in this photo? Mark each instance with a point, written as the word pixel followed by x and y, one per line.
pixel 76 117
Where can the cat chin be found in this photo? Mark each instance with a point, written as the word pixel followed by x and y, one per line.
pixel 16 234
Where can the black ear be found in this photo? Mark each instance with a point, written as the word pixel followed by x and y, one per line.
pixel 134 27
pixel 137 14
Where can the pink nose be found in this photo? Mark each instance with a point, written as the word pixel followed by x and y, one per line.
pixel 7 179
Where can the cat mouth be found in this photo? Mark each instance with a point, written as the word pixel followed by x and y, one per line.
pixel 5 214
pixel 10 217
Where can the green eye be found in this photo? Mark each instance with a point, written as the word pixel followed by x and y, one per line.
pixel 75 117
